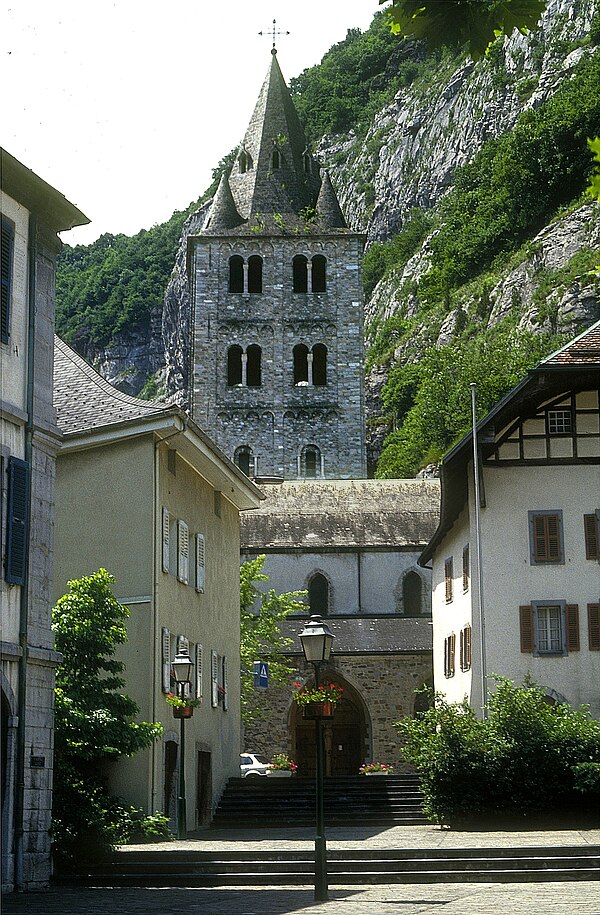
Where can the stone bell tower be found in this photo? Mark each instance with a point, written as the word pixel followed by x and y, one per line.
pixel 277 324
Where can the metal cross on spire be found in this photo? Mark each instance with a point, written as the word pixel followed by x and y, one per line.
pixel 273 33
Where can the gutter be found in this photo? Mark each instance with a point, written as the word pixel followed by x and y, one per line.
pixel 24 602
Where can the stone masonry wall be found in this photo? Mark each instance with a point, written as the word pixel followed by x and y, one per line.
pixel 383 684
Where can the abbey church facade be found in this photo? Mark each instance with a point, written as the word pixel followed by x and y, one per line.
pixel 277 380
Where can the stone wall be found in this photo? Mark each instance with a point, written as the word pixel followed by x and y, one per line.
pixel 383 685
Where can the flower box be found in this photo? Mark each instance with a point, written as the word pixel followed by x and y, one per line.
pixel 182 711
pixel 279 773
pixel 318 710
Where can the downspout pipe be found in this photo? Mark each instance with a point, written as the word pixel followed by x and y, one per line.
pixel 24 602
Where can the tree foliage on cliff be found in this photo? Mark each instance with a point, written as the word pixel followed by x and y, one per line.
pixel 261 615
pixel 459 23
pixel 93 718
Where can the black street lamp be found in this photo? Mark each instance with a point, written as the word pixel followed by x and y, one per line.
pixel 182 671
pixel 316 639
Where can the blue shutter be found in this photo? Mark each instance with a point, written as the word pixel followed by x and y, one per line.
pixel 17 520
pixel 6 252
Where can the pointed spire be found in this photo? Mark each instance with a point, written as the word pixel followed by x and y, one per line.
pixel 223 212
pixel 328 208
pixel 270 176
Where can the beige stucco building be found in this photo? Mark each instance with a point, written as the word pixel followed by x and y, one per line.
pixel 32 212
pixel 540 526
pixel 142 492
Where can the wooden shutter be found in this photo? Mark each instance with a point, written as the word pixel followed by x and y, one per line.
pixel 466 568
pixel 17 520
pixel 198 661
pixel 526 628
pixel 546 538
pixel 200 563
pixel 183 552
pixel 572 627
pixel 6 259
pixel 225 672
pixel 448 575
pixel 594 626
pixel 166 659
pixel 591 523
pixel 214 678
pixel 468 653
pixel 166 521
pixel 461 656
pixel 452 653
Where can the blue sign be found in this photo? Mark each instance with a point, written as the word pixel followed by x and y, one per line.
pixel 261 674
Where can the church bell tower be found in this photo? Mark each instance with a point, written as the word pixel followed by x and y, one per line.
pixel 277 324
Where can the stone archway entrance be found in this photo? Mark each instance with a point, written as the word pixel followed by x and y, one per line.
pixel 344 736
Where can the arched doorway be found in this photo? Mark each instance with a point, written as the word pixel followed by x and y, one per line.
pixel 343 736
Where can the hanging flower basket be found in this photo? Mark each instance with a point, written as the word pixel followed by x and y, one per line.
pixel 314 710
pixel 182 711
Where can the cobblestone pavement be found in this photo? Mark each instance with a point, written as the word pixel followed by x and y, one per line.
pixel 425 899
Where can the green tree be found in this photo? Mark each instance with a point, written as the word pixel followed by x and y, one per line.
pixel 261 615
pixel 93 718
pixel 456 23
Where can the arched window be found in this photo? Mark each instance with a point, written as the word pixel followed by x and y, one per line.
pixel 253 369
pixel 318 594
pixel 319 264
pixel 310 462
pixel 319 368
pixel 411 594
pixel 300 273
pixel 255 267
pixel 276 158
pixel 244 458
pixel 244 162
pixel 300 364
pixel 236 273
pixel 234 365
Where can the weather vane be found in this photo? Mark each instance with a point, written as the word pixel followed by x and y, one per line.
pixel 273 32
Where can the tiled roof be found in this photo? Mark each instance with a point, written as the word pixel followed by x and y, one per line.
pixel 583 350
pixel 364 635
pixel 313 514
pixel 84 400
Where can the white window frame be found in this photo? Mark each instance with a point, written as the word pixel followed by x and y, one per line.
pixel 541 628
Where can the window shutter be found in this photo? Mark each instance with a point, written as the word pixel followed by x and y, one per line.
pixel 461 656
pixel 466 568
pixel 17 520
pixel 591 536
pixel 6 258
pixel 572 627
pixel 452 641
pixel 225 671
pixel 448 575
pixel 468 655
pixel 166 521
pixel 198 659
pixel 526 627
pixel 553 534
pixel 200 563
pixel 214 679
pixel 594 627
pixel 183 552
pixel 166 660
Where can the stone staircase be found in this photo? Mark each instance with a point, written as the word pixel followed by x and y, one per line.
pixel 172 867
pixel 352 801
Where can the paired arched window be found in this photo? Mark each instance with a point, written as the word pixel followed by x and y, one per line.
pixel 244 368
pixel 245 161
pixel 309 276
pixel 318 594
pixel 245 277
pixel 311 463
pixel 245 460
pixel 310 366
pixel 412 587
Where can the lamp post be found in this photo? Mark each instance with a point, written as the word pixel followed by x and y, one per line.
pixel 182 671
pixel 316 639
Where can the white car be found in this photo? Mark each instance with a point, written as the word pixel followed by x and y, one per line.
pixel 253 764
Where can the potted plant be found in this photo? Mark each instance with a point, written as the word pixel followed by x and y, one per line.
pixel 376 768
pixel 281 766
pixel 182 708
pixel 318 701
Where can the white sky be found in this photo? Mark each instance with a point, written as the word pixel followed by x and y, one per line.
pixel 125 107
